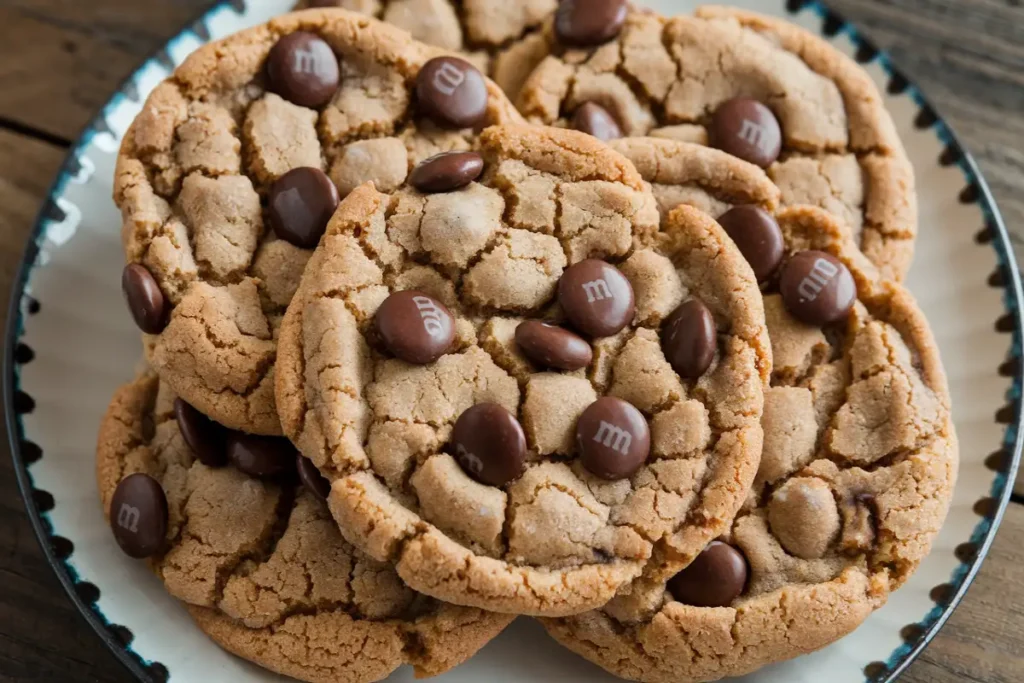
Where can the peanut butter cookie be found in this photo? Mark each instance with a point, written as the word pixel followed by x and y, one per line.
pixel 227 526
pixel 523 391
pixel 229 174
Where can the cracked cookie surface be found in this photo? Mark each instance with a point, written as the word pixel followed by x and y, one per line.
pixel 476 28
pixel 557 540
pixel 263 569
pixel 668 78
pixel 856 476
pixel 193 178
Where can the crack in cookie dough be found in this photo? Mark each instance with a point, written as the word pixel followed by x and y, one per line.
pixel 193 178
pixel 665 78
pixel 856 476
pixel 557 540
pixel 263 569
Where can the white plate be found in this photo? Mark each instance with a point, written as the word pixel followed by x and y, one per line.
pixel 70 345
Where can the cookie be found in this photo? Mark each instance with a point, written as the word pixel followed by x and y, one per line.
pixel 856 476
pixel 258 561
pixel 537 447
pixel 227 177
pixel 479 29
pixel 760 88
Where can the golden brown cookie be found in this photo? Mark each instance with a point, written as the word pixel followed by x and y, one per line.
pixel 261 565
pixel 476 28
pixel 856 476
pixel 227 177
pixel 756 86
pixel 466 512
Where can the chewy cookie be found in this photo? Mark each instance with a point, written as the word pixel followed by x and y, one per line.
pixel 522 391
pixel 477 28
pixel 759 88
pixel 255 555
pixel 856 476
pixel 227 177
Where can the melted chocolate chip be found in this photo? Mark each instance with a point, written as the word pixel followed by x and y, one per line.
pixel 311 478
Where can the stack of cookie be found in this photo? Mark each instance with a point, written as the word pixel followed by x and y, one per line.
pixel 629 355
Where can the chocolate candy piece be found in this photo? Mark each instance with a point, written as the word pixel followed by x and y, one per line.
pixel 303 69
pixel 589 22
pixel 613 438
pixel 817 288
pixel 595 120
pixel 553 347
pixel 489 444
pixel 716 578
pixel 689 339
pixel 452 92
pixel 300 204
pixel 447 171
pixel 265 457
pixel 747 129
pixel 596 297
pixel 758 237
pixel 138 515
pixel 205 437
pixel 415 327
pixel 311 478
pixel 146 301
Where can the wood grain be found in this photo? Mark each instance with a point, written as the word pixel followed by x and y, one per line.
pixel 61 59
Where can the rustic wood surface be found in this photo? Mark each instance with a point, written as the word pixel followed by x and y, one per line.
pixel 60 60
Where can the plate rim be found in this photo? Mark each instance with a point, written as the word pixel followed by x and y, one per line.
pixel 81 592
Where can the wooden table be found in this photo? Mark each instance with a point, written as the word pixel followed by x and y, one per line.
pixel 61 59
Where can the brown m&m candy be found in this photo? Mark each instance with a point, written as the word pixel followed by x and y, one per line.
pixel 205 437
pixel 613 438
pixel 311 478
pixel 589 22
pixel 747 129
pixel 138 515
pixel 415 327
pixel 300 204
pixel 817 288
pixel 452 92
pixel 596 297
pixel 303 69
pixel 689 339
pixel 264 457
pixel 447 171
pixel 714 579
pixel 593 119
pixel 553 347
pixel 489 444
pixel 146 301
pixel 758 237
